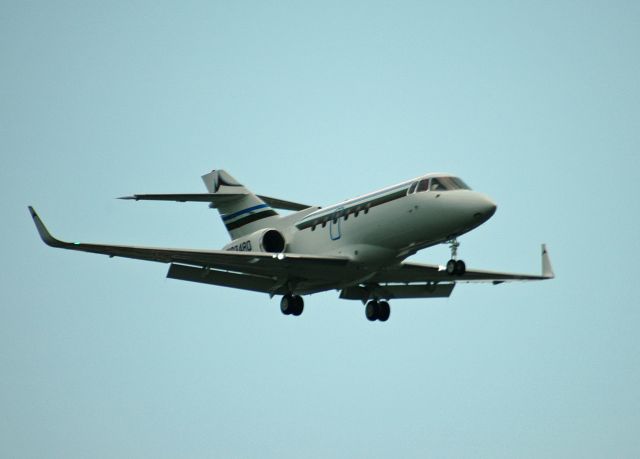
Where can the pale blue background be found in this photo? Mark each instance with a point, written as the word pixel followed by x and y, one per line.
pixel 536 104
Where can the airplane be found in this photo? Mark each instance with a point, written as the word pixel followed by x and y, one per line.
pixel 357 247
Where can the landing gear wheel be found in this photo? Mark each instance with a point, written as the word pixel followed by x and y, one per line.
pixel 384 312
pixel 286 304
pixel 291 304
pixel 298 305
pixel 455 266
pixel 372 310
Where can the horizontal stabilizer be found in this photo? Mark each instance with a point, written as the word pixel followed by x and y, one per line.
pixel 282 204
pixel 215 199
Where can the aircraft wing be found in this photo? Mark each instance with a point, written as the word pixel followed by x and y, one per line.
pixel 265 270
pixel 415 272
pixel 215 199
pixel 414 280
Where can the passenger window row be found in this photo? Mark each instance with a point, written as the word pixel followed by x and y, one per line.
pixel 343 214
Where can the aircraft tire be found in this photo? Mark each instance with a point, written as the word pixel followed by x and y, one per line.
pixel 298 305
pixel 287 304
pixel 460 268
pixel 451 267
pixel 372 310
pixel 384 312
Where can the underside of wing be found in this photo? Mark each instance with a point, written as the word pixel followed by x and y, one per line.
pixel 414 280
pixel 394 291
pixel 415 272
pixel 257 283
pixel 258 271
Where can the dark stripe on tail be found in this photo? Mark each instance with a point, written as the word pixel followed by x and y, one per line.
pixel 250 218
pixel 244 211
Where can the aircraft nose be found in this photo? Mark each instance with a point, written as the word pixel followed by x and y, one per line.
pixel 485 208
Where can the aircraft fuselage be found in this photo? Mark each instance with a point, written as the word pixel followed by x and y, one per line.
pixel 389 224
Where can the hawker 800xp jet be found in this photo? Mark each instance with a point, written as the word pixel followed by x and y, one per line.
pixel 357 247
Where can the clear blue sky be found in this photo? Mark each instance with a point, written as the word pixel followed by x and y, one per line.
pixel 537 105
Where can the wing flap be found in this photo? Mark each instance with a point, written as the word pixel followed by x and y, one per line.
pixel 226 279
pixel 389 292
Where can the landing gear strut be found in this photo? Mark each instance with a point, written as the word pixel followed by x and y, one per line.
pixel 291 304
pixel 455 267
pixel 377 310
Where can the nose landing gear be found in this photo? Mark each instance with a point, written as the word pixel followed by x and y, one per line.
pixel 455 267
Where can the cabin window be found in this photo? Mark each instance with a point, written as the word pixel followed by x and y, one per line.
pixel 335 220
pixel 412 188
pixel 324 223
pixel 313 228
pixel 346 216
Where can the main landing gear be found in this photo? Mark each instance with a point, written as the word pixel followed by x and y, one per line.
pixel 377 310
pixel 291 304
pixel 455 267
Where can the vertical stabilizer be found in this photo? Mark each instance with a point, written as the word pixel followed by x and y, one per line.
pixel 244 212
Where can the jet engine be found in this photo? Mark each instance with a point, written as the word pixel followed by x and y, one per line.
pixel 264 240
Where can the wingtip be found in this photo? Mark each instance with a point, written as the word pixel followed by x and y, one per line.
pixel 547 269
pixel 127 197
pixel 44 233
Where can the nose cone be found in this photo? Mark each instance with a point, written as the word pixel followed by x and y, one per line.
pixel 485 208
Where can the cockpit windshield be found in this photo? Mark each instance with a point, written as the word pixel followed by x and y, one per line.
pixel 437 184
pixel 447 184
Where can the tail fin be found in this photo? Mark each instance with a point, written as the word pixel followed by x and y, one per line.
pixel 244 212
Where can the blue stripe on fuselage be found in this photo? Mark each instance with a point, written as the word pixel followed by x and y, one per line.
pixel 241 212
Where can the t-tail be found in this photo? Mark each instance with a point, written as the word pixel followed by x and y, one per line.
pixel 241 211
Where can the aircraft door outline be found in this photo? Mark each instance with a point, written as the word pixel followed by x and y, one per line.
pixel 335 231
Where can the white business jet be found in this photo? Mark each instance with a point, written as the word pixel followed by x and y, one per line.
pixel 357 247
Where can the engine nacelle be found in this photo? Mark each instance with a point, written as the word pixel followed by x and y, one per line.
pixel 264 240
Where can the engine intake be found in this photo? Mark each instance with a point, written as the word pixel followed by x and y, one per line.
pixel 273 241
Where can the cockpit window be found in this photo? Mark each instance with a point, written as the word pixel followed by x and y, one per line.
pixel 436 185
pixel 423 185
pixel 454 183
pixel 447 184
